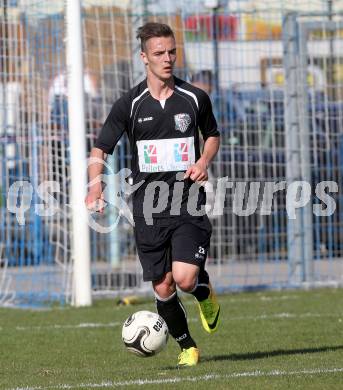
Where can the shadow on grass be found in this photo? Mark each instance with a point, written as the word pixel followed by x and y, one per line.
pixel 268 354
pixel 263 354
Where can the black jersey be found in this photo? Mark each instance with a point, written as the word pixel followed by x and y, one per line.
pixel 163 140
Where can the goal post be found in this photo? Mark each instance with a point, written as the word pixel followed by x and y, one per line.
pixel 78 160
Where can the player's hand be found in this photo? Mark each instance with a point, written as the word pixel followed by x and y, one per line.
pixel 95 201
pixel 197 172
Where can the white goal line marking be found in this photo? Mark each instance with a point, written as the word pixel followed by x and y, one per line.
pixel 85 325
pixel 238 318
pixel 141 382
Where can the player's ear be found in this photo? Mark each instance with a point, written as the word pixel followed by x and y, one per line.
pixel 144 58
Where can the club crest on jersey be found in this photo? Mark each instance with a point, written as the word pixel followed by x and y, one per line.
pixel 182 121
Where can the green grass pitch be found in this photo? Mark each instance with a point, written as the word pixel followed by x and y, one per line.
pixel 266 340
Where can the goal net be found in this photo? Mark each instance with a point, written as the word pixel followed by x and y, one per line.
pixel 243 45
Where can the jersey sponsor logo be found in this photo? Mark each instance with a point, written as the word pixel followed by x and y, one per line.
pixel 182 121
pixel 165 155
pixel 146 119
pixel 180 152
pixel 150 154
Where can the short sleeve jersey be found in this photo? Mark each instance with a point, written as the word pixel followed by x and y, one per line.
pixel 163 140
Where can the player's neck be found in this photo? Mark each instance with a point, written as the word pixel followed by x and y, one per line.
pixel 160 89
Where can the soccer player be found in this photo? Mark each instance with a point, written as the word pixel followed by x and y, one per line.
pixel 162 116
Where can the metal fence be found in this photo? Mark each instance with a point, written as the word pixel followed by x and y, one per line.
pixel 277 85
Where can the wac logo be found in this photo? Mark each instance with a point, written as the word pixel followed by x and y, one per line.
pixel 182 121
pixel 181 152
pixel 150 154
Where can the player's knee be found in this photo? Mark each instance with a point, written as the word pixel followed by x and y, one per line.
pixel 185 276
pixel 186 284
pixel 165 287
pixel 164 291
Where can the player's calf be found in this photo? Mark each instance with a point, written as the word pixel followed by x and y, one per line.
pixel 173 312
pixel 207 301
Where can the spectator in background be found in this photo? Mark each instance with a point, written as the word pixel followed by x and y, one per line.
pixel 58 117
pixel 227 110
pixel 117 80
pixel 203 80
pixel 58 100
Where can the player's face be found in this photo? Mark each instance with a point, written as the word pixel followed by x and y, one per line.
pixel 160 56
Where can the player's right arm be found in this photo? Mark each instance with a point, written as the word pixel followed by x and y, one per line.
pixel 113 128
pixel 115 124
pixel 95 197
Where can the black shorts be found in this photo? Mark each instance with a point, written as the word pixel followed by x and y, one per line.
pixel 168 239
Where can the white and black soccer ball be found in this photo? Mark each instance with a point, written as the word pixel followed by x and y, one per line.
pixel 145 333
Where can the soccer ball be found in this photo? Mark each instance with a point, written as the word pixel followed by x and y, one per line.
pixel 145 333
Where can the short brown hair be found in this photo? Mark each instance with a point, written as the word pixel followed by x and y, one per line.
pixel 151 30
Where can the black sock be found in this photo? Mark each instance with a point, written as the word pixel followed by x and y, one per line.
pixel 174 314
pixel 202 290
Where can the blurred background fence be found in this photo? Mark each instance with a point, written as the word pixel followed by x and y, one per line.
pixel 275 72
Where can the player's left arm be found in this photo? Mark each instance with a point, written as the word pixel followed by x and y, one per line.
pixel 198 171
pixel 208 127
